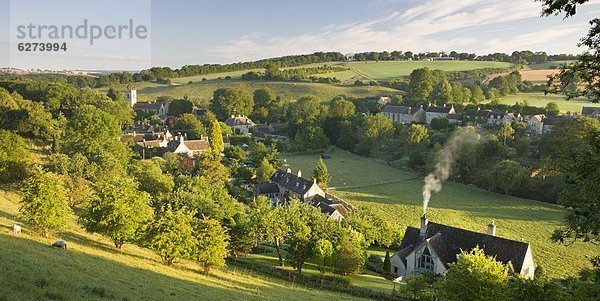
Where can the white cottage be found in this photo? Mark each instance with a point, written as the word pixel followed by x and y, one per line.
pixel 433 246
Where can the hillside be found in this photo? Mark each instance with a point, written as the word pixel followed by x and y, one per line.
pixel 92 269
pixel 356 179
pixel 540 100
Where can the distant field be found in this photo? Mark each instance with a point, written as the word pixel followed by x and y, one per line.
pixel 540 100
pixel 547 65
pixel 201 92
pixel 456 205
pixel 538 76
pixel 92 269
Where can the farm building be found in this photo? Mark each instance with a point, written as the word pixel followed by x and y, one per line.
pixel 433 246
pixel 433 112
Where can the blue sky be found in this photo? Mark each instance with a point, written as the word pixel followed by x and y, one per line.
pixel 197 32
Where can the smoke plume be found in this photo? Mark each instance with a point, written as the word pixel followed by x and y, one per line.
pixel 460 140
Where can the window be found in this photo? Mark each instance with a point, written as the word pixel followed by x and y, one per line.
pixel 425 262
pixel 395 269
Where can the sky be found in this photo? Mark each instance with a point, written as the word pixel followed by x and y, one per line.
pixel 185 32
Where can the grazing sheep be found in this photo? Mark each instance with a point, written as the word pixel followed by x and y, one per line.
pixel 60 244
pixel 16 229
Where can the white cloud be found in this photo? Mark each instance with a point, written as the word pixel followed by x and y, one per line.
pixel 532 40
pixel 418 28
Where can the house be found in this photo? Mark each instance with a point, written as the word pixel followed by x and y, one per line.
pixel 151 148
pixel 433 246
pixel 284 185
pixel 477 115
pixel 549 123
pixel 159 108
pixel 384 100
pixel 240 124
pixel 404 115
pixel 503 117
pixel 192 148
pixel 435 112
pixel 534 123
pixel 593 112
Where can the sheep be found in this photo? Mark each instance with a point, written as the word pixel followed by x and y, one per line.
pixel 60 244
pixel 16 229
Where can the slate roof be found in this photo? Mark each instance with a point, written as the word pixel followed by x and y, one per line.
pixel 433 109
pixel 477 113
pixel 147 105
pixel 397 110
pixel 448 242
pixel 329 205
pixel 589 110
pixel 266 188
pixel 552 120
pixel 291 182
pixel 197 145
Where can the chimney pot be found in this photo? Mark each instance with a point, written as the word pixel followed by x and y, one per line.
pixel 289 170
pixel 491 229
pixel 299 173
pixel 423 229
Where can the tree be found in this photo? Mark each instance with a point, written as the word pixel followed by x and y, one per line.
pixel 15 159
pixel 307 111
pixel 416 134
pixel 170 235
pixel 541 288
pixel 312 137
pixel 387 263
pixel 552 109
pixel 341 108
pixel 420 84
pixel 321 175
pixel 264 171
pixel 474 276
pixel 477 95
pixel 189 124
pixel 231 101
pixel 151 179
pixel 216 138
pixel 118 210
pixel 350 256
pixel 268 223
pixel 376 129
pixel 322 253
pixel 509 177
pixel 210 167
pixel 442 93
pixel 505 132
pixel 347 139
pixel 439 123
pixel 179 107
pixel 44 203
pixel 211 244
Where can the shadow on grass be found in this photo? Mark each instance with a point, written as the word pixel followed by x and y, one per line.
pixel 35 271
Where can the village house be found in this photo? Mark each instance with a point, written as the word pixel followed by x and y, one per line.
pixel 159 108
pixel 592 112
pixel 404 115
pixel 191 148
pixel 499 118
pixel 284 186
pixel 433 246
pixel 240 124
pixel 534 124
pixel 441 112
pixel 384 100
pixel 549 123
pixel 477 115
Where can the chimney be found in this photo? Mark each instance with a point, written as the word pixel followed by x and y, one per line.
pixel 299 173
pixel 289 170
pixel 491 229
pixel 423 229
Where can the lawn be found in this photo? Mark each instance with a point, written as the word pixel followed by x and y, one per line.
pixel 92 269
pixel 456 205
pixel 540 100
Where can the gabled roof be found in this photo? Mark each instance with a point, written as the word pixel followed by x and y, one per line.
pixel 589 110
pixel 432 109
pixel 477 113
pixel 239 120
pixel 552 120
pixel 150 143
pixel 291 182
pixel 448 242
pixel 397 110
pixel 197 145
pixel 148 105
pixel 266 188
pixel 328 205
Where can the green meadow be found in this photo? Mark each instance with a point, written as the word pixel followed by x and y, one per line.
pixel 92 269
pixel 538 99
pixel 355 179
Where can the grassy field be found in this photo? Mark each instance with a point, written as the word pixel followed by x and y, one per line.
pixel 547 65
pixel 354 179
pixel 92 269
pixel 540 100
pixel 201 92
pixel 386 70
